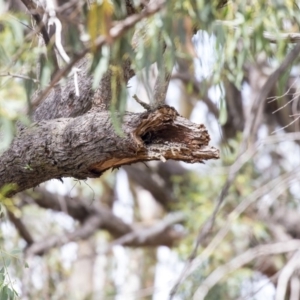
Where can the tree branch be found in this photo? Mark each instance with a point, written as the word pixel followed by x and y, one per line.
pixel 21 228
pixel 285 275
pixel 161 84
pixel 144 178
pixel 156 235
pixel 86 230
pixel 256 112
pixel 96 217
pixel 77 209
pixel 88 145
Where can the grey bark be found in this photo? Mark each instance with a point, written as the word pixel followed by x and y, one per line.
pixel 88 145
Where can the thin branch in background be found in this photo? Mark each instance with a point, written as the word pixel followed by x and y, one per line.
pixel 8 74
pixel 21 228
pixel 240 261
pixel 277 186
pixel 285 275
pixel 271 279
pixel 31 6
pixel 272 38
pixel 88 228
pixel 295 288
pixel 68 5
pixel 22 23
pixel 58 44
pixel 155 235
pixel 115 32
pixel 295 96
pixel 193 264
pixel 256 111
pixel 275 98
pixel 291 123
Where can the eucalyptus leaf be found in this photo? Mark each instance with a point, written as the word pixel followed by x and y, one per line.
pixel 223 112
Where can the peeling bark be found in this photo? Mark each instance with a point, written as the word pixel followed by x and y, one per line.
pixel 88 145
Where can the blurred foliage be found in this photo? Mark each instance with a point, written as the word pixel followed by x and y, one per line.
pixel 197 194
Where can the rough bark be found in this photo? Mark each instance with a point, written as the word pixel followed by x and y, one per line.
pixel 62 101
pixel 88 145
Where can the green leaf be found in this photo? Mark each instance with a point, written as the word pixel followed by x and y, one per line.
pixel 4 293
pixel 223 112
pixel 99 19
pixel 7 261
pixel 2 278
pixel 7 129
pixel 102 66
pixel 16 252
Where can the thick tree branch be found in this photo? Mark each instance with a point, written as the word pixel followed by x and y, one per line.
pixel 21 228
pixel 88 145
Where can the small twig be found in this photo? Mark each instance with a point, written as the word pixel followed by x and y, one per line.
pixel 161 85
pixel 286 274
pixel 272 38
pixel 31 6
pixel 295 96
pixel 147 233
pixel 142 103
pixel 274 98
pixel 258 105
pixel 88 228
pixel 291 123
pixel 19 76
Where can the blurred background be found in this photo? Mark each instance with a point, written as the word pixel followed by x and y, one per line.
pixel 226 229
